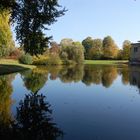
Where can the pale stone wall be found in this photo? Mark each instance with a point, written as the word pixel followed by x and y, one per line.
pixel 135 52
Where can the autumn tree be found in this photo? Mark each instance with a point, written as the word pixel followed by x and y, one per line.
pixel 6 40
pixel 95 52
pixel 72 50
pixel 66 42
pixel 126 50
pixel 110 49
pixel 32 18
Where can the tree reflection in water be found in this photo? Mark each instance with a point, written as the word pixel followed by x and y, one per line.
pixel 33 121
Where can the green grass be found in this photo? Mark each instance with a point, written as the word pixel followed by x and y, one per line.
pixel 10 66
pixel 106 62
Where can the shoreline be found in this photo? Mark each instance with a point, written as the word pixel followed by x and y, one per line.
pixel 8 66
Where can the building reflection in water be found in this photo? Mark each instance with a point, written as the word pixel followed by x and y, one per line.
pixel 135 76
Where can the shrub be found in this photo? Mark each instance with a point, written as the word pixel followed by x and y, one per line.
pixel 40 60
pixel 51 59
pixel 54 60
pixel 15 54
pixel 26 59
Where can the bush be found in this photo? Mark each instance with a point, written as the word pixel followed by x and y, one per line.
pixel 15 54
pixel 26 59
pixel 51 59
pixel 54 60
pixel 40 60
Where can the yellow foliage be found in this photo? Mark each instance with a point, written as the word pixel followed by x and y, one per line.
pixel 6 41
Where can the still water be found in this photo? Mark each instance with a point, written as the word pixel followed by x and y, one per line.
pixel 71 103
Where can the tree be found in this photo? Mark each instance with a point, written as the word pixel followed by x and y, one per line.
pixel 78 52
pixel 72 50
pixel 32 18
pixel 95 52
pixel 55 48
pixel 6 4
pixel 110 49
pixel 66 45
pixel 126 50
pixel 87 43
pixel 119 56
pixel 66 42
pixel 6 41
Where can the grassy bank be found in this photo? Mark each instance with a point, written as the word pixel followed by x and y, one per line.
pixel 10 66
pixel 106 62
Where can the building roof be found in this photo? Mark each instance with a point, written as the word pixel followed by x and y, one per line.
pixel 136 44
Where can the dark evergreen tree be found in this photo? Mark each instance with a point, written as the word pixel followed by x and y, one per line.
pixel 32 17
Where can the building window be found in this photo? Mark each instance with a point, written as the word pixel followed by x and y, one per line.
pixel 135 49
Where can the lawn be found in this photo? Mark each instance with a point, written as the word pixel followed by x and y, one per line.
pixel 10 66
pixel 106 62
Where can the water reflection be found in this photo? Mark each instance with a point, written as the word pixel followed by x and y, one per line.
pixel 33 119
pixel 89 74
pixel 35 79
pixel 6 90
pixel 135 76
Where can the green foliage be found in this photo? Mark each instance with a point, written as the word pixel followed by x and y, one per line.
pixel 87 43
pixel 64 55
pixel 126 50
pixel 72 51
pixel 34 80
pixel 95 52
pixel 40 60
pixel 66 42
pixel 7 4
pixel 32 18
pixel 78 52
pixel 54 60
pixel 6 41
pixel 26 59
pixel 110 50
pixel 72 74
pixel 50 59
pixel 119 56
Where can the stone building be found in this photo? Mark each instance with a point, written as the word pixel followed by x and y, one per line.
pixel 135 53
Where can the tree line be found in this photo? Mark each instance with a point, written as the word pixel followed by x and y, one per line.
pixel 31 18
pixel 96 49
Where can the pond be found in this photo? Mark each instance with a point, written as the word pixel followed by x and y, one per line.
pixel 86 102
